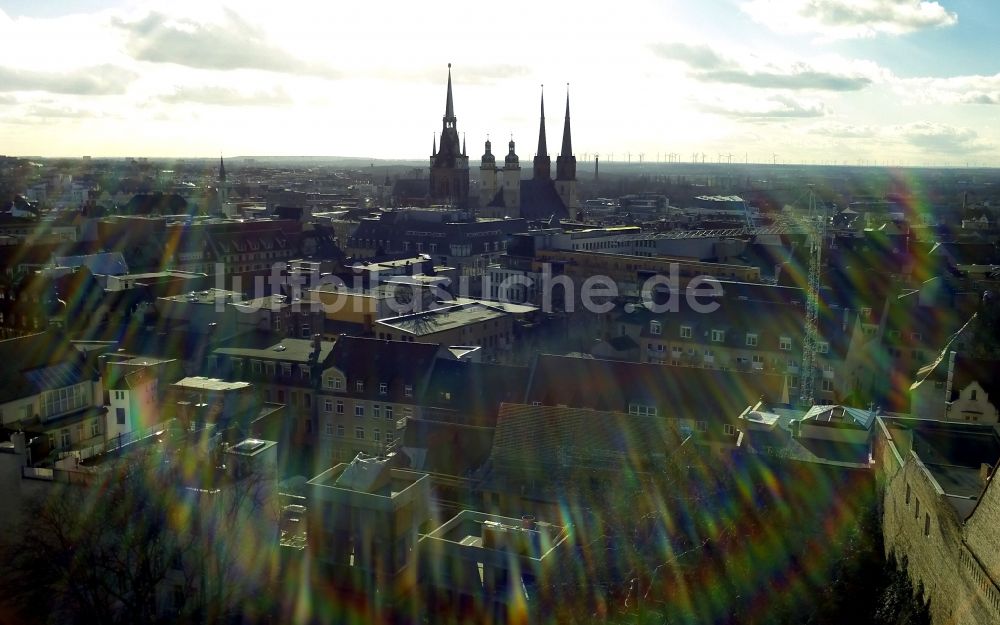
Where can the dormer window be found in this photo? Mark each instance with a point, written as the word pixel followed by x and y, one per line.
pixel 359 386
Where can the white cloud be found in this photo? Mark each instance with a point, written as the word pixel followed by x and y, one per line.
pixel 943 139
pixel 849 19
pixel 775 108
pixel 230 43
pixel 707 64
pixel 101 80
pixel 224 96
pixel 972 89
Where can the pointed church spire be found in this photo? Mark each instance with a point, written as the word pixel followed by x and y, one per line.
pixel 463 145
pixel 434 144
pixel 567 142
pixel 566 162
pixel 543 165
pixel 449 107
pixel 543 150
pixel 222 169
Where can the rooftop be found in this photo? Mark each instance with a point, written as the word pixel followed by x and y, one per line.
pixel 209 384
pixel 208 296
pixel 269 347
pixel 443 319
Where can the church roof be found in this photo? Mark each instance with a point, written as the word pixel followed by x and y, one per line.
pixel 539 200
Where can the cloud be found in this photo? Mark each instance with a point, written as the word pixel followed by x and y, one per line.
pixel 707 65
pixel 772 109
pixel 466 74
pixel 232 44
pixel 222 96
pixel 844 131
pixel 941 138
pixel 972 89
pixel 849 19
pixel 100 80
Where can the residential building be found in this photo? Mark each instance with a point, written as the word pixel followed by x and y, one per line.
pixel 368 388
pixel 52 391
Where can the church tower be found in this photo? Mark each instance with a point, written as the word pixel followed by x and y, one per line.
pixel 566 169
pixel 449 181
pixel 487 176
pixel 543 164
pixel 512 182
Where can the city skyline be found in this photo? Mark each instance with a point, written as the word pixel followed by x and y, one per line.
pixel 891 81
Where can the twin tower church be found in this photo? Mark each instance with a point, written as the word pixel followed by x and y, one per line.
pixel 502 192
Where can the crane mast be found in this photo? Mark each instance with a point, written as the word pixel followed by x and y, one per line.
pixel 815 229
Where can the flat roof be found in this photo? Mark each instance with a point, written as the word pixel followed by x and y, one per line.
pixel 207 296
pixel 209 384
pixel 291 350
pixel 443 319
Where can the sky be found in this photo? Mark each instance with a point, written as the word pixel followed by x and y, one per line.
pixel 899 82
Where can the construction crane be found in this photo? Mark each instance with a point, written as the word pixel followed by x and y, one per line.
pixel 813 226
pixel 816 230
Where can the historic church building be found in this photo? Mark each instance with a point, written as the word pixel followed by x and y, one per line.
pixel 502 192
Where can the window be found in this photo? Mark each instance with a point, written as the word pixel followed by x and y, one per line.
pixel 340 407
pixel 359 410
pixel 407 411
pixel 340 430
pixel 383 388
pixel 329 428
pixel 917 512
pixel 376 411
pixel 408 390
pixel 389 438
pixel 359 386
pixel 286 368
pixel 642 410
pixel 751 340
pixel 359 433
pixel 257 367
pixel 927 524
pixel 95 427
pixel 907 494
pixel 702 426
pixel 388 412
pixel 655 328
pixel 827 385
pixel 377 435
pixel 718 336
pixel 64 439
pixel 972 395
pixel 304 373
pixel 685 332
pixel 730 429
pixel 120 415
pixel 327 405
pixel 307 400
pixel 785 343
